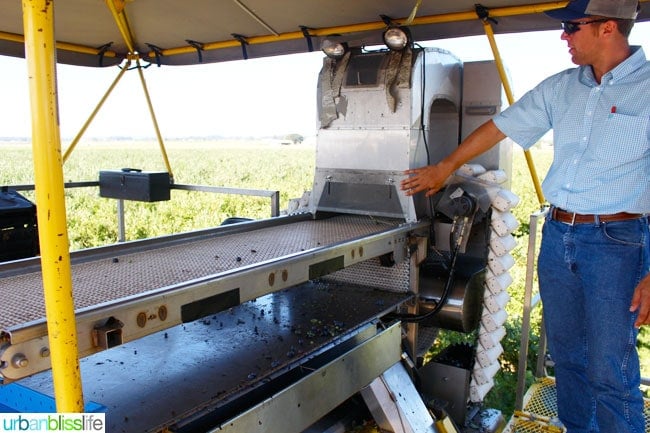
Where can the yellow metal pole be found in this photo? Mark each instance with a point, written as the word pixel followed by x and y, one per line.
pixel 117 10
pixel 13 37
pixel 81 132
pixel 511 99
pixel 155 122
pixel 38 22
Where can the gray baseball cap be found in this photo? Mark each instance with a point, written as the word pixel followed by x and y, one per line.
pixel 576 9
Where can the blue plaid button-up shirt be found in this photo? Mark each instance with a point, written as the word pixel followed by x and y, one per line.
pixel 601 136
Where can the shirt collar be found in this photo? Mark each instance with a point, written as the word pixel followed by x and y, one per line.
pixel 635 61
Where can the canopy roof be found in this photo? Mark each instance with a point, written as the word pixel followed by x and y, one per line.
pixel 104 32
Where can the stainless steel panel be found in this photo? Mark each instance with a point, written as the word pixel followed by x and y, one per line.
pixel 323 390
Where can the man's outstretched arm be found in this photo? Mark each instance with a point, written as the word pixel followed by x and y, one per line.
pixel 432 177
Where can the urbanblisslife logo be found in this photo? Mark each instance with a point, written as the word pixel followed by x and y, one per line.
pixel 53 422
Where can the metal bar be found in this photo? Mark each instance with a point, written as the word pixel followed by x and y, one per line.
pixel 28 187
pixel 273 195
pixel 540 369
pixel 121 227
pixel 225 190
pixel 94 113
pixel 528 293
pixel 163 151
pixel 38 22
pixel 122 23
pixel 511 99
pixel 13 37
pixel 256 17
pixel 275 204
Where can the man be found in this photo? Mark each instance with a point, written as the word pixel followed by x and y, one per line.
pixel 595 254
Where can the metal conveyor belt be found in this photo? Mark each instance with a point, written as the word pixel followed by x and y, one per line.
pixel 129 270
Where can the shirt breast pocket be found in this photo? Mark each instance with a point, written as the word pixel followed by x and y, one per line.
pixel 624 138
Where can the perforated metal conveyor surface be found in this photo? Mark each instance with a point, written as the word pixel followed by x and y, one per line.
pixel 109 274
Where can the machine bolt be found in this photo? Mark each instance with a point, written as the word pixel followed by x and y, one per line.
pixel 20 361
pixel 45 352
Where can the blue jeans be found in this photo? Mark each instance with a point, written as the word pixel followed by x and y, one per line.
pixel 587 275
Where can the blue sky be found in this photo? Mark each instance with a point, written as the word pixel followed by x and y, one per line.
pixel 261 97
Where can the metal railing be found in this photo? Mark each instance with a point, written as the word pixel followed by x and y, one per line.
pixel 530 303
pixel 274 197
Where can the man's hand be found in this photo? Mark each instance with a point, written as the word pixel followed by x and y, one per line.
pixel 430 179
pixel 641 302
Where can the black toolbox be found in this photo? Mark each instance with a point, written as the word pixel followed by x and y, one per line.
pixel 18 229
pixel 134 184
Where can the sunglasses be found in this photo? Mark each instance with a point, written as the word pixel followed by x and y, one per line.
pixel 570 27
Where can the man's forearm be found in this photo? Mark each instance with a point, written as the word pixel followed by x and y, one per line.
pixel 432 177
pixel 478 142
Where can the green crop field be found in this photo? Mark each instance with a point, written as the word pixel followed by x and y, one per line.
pixel 248 164
pixel 240 164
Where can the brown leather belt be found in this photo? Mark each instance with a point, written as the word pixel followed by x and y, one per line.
pixel 575 218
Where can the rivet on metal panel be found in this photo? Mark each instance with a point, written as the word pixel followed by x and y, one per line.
pixel 141 320
pixel 285 275
pixel 162 313
pixel 45 352
pixel 20 361
pixel 271 278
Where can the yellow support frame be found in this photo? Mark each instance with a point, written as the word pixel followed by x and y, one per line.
pixel 117 10
pixel 38 22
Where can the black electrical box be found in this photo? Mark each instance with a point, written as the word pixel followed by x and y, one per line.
pixel 134 184
pixel 18 229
